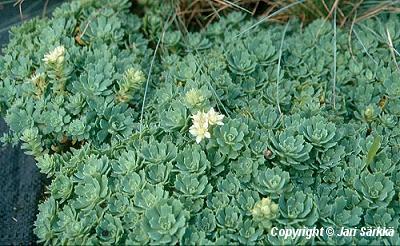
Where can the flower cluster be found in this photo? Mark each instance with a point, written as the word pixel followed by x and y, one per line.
pixel 201 122
pixel 265 211
pixel 55 56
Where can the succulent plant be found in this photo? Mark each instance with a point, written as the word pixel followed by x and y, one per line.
pixel 229 185
pixel 263 49
pixel 192 186
pixel 244 167
pixel 166 221
pixel 241 62
pixel 249 234
pixel 205 221
pixel 192 160
pixel 62 187
pixel 148 197
pixel 273 182
pixel 382 217
pixel 246 200
pixel 375 188
pixel 230 138
pixel 91 192
pixel 217 200
pixel 298 209
pixel 291 149
pixel 109 230
pixel 229 217
pixel 320 134
pixel 154 152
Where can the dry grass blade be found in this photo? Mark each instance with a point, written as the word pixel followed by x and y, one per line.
pixel 236 6
pixel 380 38
pixel 363 46
pixel 27 11
pixel 167 24
pixel 203 12
pixel 278 69
pixel 214 9
pixel 390 43
pixel 350 35
pixel 212 89
pixel 334 57
pixel 379 7
pixel 352 12
pixel 19 3
pixel 200 65
pixel 270 16
pixel 200 13
pixel 44 12
pixel 346 9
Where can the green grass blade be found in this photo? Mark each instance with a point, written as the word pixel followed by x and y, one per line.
pixel 373 149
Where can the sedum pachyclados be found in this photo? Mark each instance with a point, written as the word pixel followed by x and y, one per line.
pixel 225 147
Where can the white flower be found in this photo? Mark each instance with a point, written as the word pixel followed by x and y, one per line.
pixel 199 129
pixel 38 80
pixel 200 119
pixel 214 118
pixel 200 132
pixel 36 77
pixel 55 56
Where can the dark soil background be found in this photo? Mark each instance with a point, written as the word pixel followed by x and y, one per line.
pixel 21 184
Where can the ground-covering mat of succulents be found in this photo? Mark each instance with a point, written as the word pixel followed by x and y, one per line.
pixel 230 135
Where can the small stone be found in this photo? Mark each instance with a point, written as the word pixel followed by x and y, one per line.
pixel 268 154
